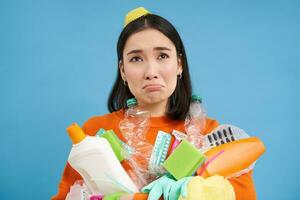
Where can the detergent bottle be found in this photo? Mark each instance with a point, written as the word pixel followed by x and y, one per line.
pixel 134 128
pixel 195 122
pixel 94 159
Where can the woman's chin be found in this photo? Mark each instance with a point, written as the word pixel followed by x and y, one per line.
pixel 154 99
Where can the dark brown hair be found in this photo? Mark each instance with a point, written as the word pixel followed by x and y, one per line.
pixel 179 101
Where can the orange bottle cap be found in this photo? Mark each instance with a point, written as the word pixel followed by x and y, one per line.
pixel 76 133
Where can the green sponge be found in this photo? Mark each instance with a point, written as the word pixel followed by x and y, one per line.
pixel 114 196
pixel 184 160
pixel 114 142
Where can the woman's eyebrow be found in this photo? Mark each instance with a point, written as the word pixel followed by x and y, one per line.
pixel 155 48
pixel 135 51
pixel 162 48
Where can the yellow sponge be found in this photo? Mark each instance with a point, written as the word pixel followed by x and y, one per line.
pixel 212 188
pixel 134 14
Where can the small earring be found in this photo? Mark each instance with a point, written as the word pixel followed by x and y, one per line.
pixel 179 76
pixel 125 83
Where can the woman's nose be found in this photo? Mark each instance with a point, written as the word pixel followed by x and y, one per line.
pixel 151 76
pixel 151 71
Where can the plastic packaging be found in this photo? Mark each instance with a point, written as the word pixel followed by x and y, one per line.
pixel 195 122
pixel 134 127
pixel 222 134
pixel 94 159
pixel 78 191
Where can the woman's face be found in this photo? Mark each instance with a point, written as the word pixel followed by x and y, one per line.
pixel 150 66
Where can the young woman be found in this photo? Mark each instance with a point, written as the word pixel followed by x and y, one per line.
pixel 153 68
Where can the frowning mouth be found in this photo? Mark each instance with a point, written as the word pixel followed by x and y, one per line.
pixel 153 87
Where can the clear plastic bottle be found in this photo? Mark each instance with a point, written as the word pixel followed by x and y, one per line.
pixel 195 122
pixel 134 128
pixel 135 124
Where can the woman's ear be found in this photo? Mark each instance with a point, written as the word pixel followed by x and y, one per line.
pixel 122 71
pixel 179 63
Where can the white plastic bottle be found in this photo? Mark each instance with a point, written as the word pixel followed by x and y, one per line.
pixel 195 122
pixel 94 159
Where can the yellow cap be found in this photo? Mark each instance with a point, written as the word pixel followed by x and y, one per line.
pixel 76 133
pixel 134 14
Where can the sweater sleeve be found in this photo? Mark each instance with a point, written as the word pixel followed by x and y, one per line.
pixel 68 178
pixel 244 187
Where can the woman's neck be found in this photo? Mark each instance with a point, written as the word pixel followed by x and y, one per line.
pixel 156 109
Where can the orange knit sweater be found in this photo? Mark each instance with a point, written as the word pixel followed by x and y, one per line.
pixel 243 185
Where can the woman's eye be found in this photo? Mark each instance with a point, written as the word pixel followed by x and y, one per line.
pixel 163 56
pixel 135 59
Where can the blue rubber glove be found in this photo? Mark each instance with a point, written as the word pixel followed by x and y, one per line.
pixel 168 187
pixel 176 189
pixel 157 187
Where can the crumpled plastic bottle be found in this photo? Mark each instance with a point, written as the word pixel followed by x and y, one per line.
pixel 78 191
pixel 134 128
pixel 195 122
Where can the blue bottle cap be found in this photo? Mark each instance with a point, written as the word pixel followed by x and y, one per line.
pixel 196 97
pixel 131 102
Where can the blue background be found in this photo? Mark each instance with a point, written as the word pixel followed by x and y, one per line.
pixel 58 63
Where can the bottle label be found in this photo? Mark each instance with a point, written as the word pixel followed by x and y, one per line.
pixel 179 135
